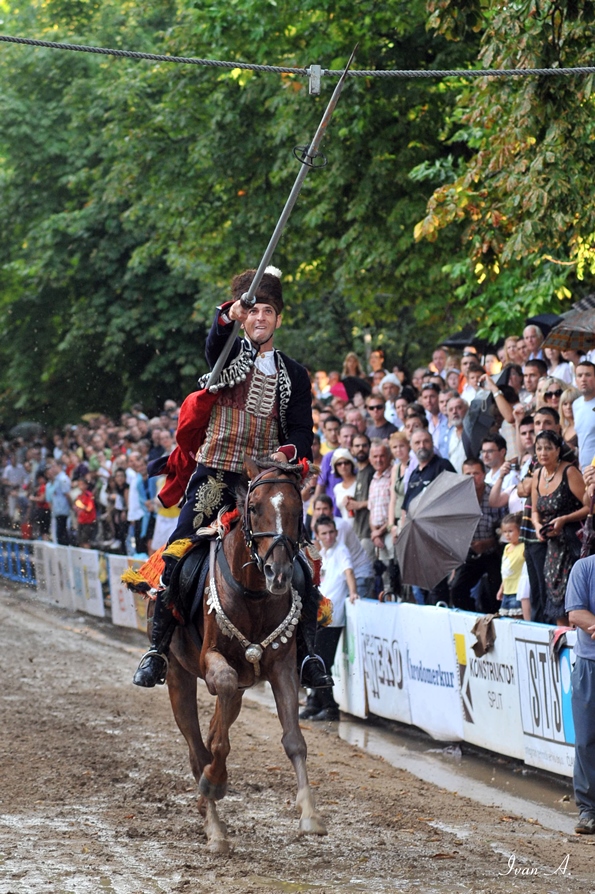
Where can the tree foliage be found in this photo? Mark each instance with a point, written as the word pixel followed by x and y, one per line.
pixel 133 191
pixel 520 189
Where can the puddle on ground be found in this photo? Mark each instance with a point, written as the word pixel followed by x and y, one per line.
pixel 354 886
pixel 484 778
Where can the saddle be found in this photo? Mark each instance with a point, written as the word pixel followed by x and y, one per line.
pixel 189 575
pixel 188 580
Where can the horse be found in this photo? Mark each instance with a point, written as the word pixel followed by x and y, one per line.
pixel 244 634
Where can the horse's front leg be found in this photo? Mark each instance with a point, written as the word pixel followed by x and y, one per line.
pixel 222 681
pixel 284 682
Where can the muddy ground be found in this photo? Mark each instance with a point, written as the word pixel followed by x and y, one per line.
pixel 96 793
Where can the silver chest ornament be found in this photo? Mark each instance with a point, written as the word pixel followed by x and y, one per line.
pixel 253 652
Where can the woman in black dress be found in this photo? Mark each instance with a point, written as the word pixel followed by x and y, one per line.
pixel 557 499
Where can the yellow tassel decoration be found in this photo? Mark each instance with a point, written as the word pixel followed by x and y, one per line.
pixel 133 579
pixel 178 548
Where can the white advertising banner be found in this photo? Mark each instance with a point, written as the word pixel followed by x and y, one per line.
pixel 382 648
pixel 128 608
pixel 431 671
pixel 488 687
pixel 58 576
pixel 42 573
pixel 86 583
pixel 545 697
pixel 348 669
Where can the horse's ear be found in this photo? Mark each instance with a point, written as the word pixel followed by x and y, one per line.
pixel 250 468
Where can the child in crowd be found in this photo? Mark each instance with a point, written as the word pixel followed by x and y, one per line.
pixel 513 560
pixel 86 514
pixel 41 515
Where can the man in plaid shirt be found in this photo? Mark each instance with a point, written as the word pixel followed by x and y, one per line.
pixel 484 555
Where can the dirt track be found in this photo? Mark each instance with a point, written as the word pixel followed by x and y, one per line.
pixel 96 793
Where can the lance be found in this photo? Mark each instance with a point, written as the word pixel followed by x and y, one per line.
pixel 307 156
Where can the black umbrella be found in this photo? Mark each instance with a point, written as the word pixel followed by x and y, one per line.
pixel 26 430
pixel 466 336
pixel 545 322
pixel 354 385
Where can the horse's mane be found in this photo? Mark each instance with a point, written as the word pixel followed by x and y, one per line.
pixel 264 464
pixel 267 463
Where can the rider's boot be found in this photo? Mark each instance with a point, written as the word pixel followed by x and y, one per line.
pixel 311 667
pixel 153 665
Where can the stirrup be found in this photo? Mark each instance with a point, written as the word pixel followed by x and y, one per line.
pixel 149 675
pixel 315 676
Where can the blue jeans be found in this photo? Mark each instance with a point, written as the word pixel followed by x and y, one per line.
pixel 583 695
pixel 365 587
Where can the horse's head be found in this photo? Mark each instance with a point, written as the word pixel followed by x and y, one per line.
pixel 273 520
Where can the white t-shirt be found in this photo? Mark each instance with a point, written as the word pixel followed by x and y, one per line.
pixel 335 561
pixel 134 508
pixel 584 424
pixel 563 371
pixel 510 480
pixel 341 493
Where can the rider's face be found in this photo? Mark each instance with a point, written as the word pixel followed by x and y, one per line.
pixel 261 324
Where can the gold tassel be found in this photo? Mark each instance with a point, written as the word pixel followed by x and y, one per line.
pixel 134 580
pixel 178 548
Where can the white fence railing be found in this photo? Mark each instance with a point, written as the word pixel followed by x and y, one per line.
pixel 409 663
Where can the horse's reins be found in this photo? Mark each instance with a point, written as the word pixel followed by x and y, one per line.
pixel 253 651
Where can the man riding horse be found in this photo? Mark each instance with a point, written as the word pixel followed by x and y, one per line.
pixel 262 406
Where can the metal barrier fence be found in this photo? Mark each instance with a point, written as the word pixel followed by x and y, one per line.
pixel 16 560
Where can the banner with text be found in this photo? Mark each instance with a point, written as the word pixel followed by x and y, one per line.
pixel 382 649
pixel 545 697
pixel 348 669
pixel 488 686
pixel 431 672
pixel 128 609
pixel 86 583
pixel 58 576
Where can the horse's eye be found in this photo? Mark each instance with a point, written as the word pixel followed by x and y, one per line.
pixel 252 508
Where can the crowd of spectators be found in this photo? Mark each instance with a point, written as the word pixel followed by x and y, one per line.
pixel 518 421
pixel 88 484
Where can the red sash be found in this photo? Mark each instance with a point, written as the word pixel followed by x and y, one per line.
pixel 194 417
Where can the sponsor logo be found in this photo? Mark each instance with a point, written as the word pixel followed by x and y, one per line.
pixel 545 692
pixel 434 676
pixel 383 664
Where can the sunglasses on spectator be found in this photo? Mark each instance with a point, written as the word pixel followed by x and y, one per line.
pixel 549 394
pixel 375 406
pixel 343 462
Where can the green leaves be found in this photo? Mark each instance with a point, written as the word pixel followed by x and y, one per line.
pixel 523 191
pixel 133 191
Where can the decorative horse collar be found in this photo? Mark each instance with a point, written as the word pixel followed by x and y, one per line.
pixel 253 652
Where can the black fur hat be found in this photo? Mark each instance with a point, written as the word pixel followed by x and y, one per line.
pixel 269 290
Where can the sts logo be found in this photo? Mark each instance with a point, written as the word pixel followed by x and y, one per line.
pixel 545 691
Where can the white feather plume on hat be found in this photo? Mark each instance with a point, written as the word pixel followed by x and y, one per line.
pixel 274 271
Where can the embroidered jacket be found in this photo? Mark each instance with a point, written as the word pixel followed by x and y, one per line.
pixel 294 401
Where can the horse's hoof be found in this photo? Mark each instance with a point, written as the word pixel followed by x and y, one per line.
pixel 211 791
pixel 219 846
pixel 312 825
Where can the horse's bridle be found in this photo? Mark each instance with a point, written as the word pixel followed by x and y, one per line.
pixel 292 547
